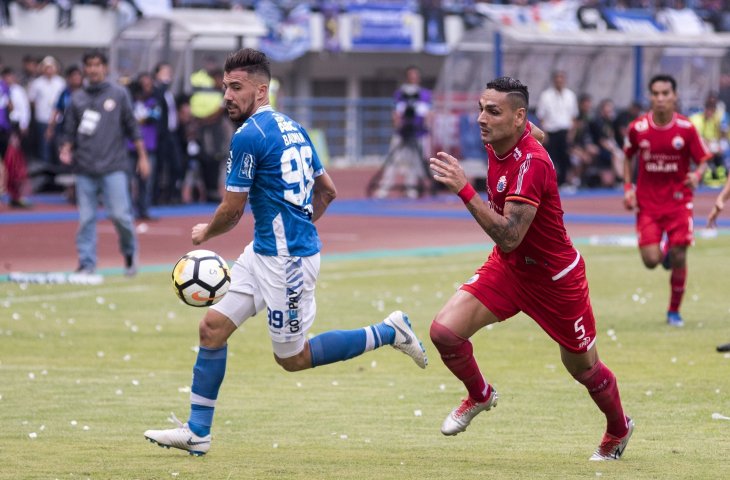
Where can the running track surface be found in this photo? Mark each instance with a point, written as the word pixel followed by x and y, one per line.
pixel 42 239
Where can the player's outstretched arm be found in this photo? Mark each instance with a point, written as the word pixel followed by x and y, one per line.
pixel 506 230
pixel 226 216
pixel 324 193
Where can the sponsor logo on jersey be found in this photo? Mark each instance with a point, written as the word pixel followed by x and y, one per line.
pixel 229 162
pixel 585 342
pixel 661 167
pixel 247 166
pixel 473 279
pixel 678 142
pixel 517 154
pixel 501 184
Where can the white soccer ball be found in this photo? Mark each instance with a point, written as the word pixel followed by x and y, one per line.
pixel 201 278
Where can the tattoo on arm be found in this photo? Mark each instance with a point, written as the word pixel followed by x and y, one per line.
pixel 509 230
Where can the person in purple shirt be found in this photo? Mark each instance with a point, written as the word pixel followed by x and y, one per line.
pixel 147 111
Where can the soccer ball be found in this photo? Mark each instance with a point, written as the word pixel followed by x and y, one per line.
pixel 201 278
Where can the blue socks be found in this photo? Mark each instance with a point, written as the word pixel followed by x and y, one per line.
pixel 208 373
pixel 337 345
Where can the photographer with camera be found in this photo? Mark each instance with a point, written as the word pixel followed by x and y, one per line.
pixel 411 120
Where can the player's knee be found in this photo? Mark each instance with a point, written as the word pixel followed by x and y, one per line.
pixel 443 338
pixel 211 334
pixel 294 364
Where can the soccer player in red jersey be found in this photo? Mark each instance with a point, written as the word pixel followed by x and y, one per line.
pixel 533 268
pixel 665 143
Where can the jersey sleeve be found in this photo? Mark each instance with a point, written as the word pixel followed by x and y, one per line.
pixel 317 167
pixel 242 162
pixel 630 146
pixel 530 182
pixel 697 148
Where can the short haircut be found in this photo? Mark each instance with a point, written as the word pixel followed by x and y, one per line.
pixel 159 66
pixel 71 70
pixel 663 77
pixel 250 61
pixel 516 92
pixel 92 54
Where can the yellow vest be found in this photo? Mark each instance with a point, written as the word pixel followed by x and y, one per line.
pixel 206 99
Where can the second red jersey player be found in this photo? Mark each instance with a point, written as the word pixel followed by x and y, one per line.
pixel 665 145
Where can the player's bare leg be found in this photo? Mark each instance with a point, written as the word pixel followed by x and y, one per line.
pixel 461 317
pixel 601 384
pixel 675 258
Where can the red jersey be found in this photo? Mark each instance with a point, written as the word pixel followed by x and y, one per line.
pixel 526 174
pixel 664 155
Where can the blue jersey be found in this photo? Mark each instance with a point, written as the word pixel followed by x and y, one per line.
pixel 273 159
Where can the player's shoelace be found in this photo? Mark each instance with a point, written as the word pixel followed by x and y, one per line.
pixel 466 406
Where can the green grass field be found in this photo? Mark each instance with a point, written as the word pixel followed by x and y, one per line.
pixel 85 370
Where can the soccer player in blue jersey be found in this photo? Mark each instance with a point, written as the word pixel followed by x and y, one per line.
pixel 273 166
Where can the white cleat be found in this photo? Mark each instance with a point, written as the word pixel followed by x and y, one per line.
pixel 181 437
pixel 405 339
pixel 611 448
pixel 461 416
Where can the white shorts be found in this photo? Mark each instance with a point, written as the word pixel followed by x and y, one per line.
pixel 285 285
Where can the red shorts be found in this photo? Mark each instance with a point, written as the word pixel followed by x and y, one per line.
pixel 677 224
pixel 561 307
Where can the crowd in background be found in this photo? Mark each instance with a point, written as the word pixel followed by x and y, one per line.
pixel 186 136
pixel 711 11
pixel 585 136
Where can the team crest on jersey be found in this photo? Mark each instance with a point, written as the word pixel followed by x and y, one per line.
pixel 501 184
pixel 247 166
pixel 642 125
pixel 517 154
pixel 678 142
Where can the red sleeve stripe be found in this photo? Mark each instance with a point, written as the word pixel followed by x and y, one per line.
pixel 521 199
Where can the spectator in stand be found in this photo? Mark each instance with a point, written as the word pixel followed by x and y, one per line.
pixel 412 116
pixel 43 94
pixel 557 107
pixel 608 162
pixel 193 186
pixel 582 148
pixel 712 125
pixel 74 81
pixel 624 119
pixel 206 105
pixel 30 70
pixel 98 120
pixel 147 112
pixel 20 115
pixel 5 127
pixel 16 172
pixel 169 157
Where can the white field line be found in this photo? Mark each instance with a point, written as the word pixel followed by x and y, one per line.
pixel 74 294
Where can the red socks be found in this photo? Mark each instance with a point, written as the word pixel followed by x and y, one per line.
pixel 457 354
pixel 677 281
pixel 603 389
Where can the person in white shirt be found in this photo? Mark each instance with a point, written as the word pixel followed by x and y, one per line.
pixel 557 108
pixel 43 94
